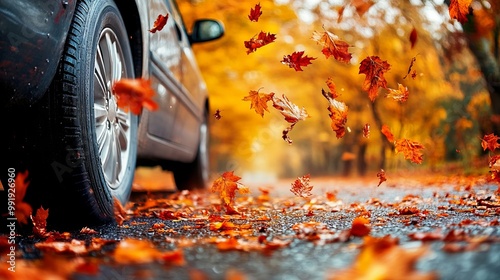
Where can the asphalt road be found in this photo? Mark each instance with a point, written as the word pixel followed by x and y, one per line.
pixel 462 212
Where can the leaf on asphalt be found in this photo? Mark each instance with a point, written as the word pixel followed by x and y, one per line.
pixel 382 258
pixel 119 211
pixel 360 227
pixel 134 94
pixel 135 251
pixel 227 185
pixel 40 222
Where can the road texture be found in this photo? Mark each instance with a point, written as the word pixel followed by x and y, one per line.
pixel 430 228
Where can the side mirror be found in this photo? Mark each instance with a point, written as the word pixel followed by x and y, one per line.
pixel 205 30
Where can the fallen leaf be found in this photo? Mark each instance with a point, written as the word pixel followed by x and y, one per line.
pixel 227 185
pixel 360 227
pixel 119 211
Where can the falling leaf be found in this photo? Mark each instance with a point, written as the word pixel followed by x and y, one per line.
pixel 340 12
pixel 332 46
pixel 490 142
pixel 217 115
pixel 338 114
pixel 296 60
pixel 159 23
pixel 255 13
pixel 413 38
pixel 411 150
pixel 409 68
pixel 134 94
pixel 459 9
pixel 366 130
pixel 40 222
pixel 360 227
pixel 258 101
pixel 362 6
pixel 261 40
pixel 22 209
pixel 387 132
pixel 374 68
pixel 290 111
pixel 227 185
pixel 300 187
pixel 381 177
pixel 400 94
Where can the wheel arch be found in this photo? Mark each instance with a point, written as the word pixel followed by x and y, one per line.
pixel 135 19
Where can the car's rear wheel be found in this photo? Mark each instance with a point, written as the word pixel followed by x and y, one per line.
pixel 93 142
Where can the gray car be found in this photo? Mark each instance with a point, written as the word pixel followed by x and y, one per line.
pixel 59 60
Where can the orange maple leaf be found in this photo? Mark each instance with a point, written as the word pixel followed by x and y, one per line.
pixel 40 222
pixel 300 187
pixel 291 112
pixel 411 150
pixel 332 46
pixel 387 132
pixel 374 68
pixel 261 40
pixel 296 60
pixel 258 101
pixel 22 209
pixel 159 23
pixel 490 142
pixel 459 9
pixel 255 13
pixel 400 94
pixel 134 94
pixel 338 113
pixel 227 185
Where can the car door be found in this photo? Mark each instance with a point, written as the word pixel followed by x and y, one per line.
pixel 166 72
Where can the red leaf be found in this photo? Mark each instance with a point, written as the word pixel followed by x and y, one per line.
pixel 134 94
pixel 490 142
pixel 300 187
pixel 413 37
pixel 261 40
pixel 295 60
pixel 159 23
pixel 374 68
pixel 409 69
pixel 459 9
pixel 255 13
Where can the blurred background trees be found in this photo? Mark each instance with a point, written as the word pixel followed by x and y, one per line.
pixel 448 109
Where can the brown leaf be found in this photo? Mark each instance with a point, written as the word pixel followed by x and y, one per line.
pixel 332 46
pixel 338 114
pixel 374 68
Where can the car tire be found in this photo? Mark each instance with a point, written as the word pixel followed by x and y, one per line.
pixel 194 175
pixel 93 142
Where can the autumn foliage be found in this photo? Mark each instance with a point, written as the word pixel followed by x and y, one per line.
pixel 134 94
pixel 227 185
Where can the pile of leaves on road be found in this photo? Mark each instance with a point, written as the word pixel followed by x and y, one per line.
pixel 254 223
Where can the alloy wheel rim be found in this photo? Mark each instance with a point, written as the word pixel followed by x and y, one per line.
pixel 112 124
